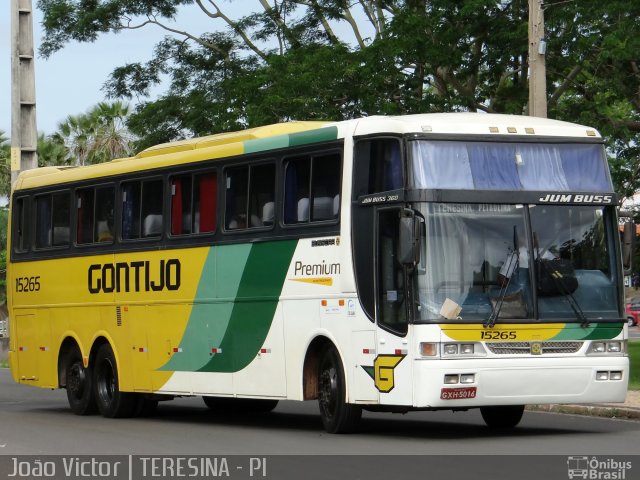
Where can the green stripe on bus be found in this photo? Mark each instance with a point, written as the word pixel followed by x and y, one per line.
pixel 325 134
pixel 595 331
pixel 261 144
pixel 260 288
pixel 211 312
pixel 235 314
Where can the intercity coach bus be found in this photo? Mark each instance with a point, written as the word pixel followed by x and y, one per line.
pixel 422 262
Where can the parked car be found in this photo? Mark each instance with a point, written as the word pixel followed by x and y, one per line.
pixel 633 313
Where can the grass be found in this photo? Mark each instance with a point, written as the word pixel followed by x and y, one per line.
pixel 634 365
pixel 4 364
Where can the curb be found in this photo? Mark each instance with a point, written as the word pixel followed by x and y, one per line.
pixel 605 411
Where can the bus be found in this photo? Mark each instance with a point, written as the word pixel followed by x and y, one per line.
pixel 392 264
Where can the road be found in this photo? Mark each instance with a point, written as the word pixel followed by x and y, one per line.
pixel 36 421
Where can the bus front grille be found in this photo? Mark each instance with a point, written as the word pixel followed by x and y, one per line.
pixel 533 348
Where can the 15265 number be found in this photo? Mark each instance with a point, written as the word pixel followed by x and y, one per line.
pixel 496 335
pixel 28 284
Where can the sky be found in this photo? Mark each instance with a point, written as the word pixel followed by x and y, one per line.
pixel 70 81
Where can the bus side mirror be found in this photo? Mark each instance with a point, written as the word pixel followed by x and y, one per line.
pixel 628 243
pixel 409 238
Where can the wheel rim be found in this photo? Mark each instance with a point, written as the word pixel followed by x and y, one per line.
pixel 77 380
pixel 106 382
pixel 328 391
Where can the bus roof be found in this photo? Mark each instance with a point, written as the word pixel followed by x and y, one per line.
pixel 288 134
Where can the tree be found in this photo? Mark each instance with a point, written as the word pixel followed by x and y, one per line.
pixel 318 59
pixel 96 136
pixel 5 165
pixel 52 151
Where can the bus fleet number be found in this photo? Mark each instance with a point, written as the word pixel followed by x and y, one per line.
pixel 28 284
pixel 507 335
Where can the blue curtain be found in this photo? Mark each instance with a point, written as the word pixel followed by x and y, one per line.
pixel 493 167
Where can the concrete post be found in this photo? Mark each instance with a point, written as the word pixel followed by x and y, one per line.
pixel 537 66
pixel 24 134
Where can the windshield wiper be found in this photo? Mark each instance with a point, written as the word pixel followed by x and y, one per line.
pixel 507 270
pixel 559 280
pixel 504 277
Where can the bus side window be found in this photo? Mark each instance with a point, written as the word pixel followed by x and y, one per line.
pixel 312 189
pixel 378 166
pixel 193 203
pixel 95 215
pixel 250 196
pixel 142 209
pixel 236 198
pixel 261 193
pixel 20 242
pixel 53 217
pixel 85 203
pixel 103 225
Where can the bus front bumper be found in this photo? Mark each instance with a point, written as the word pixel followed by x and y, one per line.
pixel 474 383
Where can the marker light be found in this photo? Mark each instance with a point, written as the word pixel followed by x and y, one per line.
pixel 428 349
pixel 451 379
pixel 467 378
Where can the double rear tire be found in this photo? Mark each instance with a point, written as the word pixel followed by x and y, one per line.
pixel 111 402
pixel 79 384
pixel 95 388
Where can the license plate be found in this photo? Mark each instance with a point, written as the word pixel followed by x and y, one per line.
pixel 460 393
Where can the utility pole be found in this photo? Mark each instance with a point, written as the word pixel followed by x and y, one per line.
pixel 24 136
pixel 537 67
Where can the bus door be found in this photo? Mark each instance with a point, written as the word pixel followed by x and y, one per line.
pixel 392 366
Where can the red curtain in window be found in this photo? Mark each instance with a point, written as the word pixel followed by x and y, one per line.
pixel 176 207
pixel 208 190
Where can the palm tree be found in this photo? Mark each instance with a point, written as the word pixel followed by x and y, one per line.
pixel 97 136
pixel 52 151
pixel 112 139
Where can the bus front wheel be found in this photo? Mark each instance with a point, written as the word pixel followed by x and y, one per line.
pixel 337 415
pixel 507 416
pixel 79 385
pixel 112 403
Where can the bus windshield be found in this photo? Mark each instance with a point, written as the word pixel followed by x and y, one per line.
pixel 493 259
pixel 467 165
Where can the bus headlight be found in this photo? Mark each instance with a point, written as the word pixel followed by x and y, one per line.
pixel 450 349
pixel 613 347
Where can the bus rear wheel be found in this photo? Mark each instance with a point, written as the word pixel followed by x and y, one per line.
pixel 507 416
pixel 79 385
pixel 112 403
pixel 337 415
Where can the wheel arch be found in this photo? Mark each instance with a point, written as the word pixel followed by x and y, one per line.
pixel 69 343
pixel 312 362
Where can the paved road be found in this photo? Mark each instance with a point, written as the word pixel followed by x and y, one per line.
pixel 35 421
